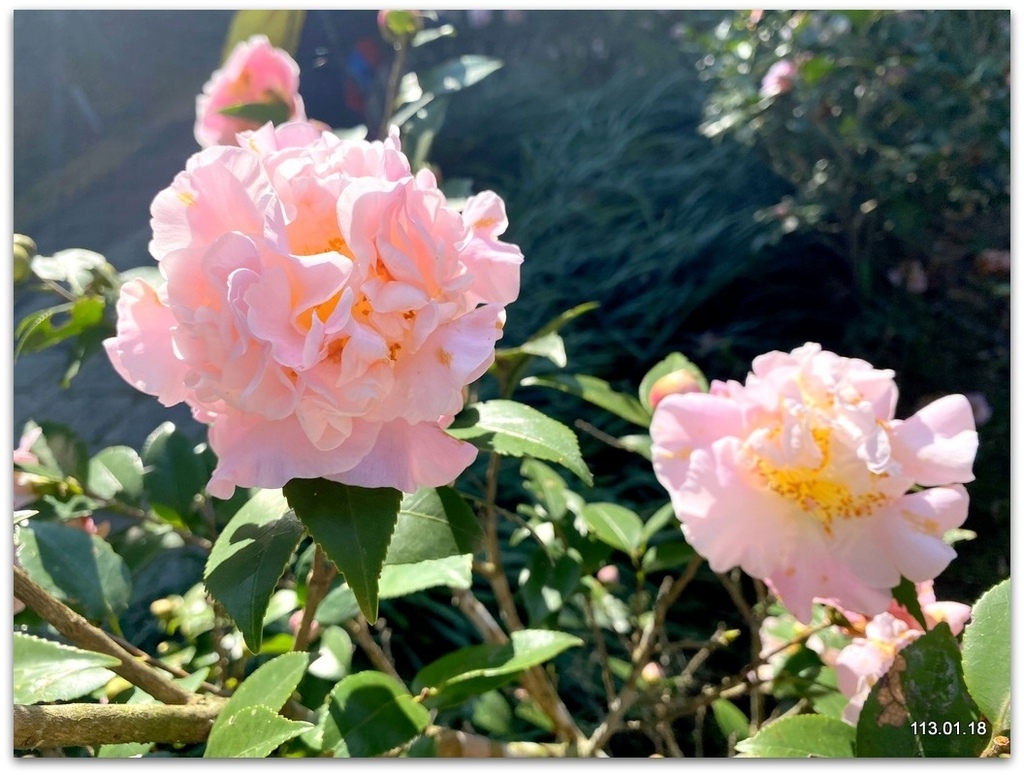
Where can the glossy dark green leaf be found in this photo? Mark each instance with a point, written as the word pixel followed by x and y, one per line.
pixel 597 392
pixel 474 670
pixel 514 429
pixel 433 523
pixel 672 555
pixel 801 737
pixel 921 707
pixel 987 656
pixel 253 732
pixel 248 559
pixel 369 714
pixel 175 472
pixel 45 671
pixel 79 569
pixel 353 525
pixel 616 525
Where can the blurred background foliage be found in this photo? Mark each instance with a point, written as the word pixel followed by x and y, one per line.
pixel 861 202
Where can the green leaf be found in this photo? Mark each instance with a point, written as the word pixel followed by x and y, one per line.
pixel 668 556
pixel 275 111
pixel 550 346
pixel 339 605
pixel 116 471
pixel 45 671
pixel 662 518
pixel 79 569
pixel 457 74
pixel 546 486
pixel 123 750
pixel 433 523
pixel 616 525
pixel 248 559
pixel 473 670
pixel 549 585
pixel 400 580
pixel 921 707
pixel 369 714
pixel 732 721
pixel 334 659
pixel 353 525
pixel 175 472
pixel 250 733
pixel 595 391
pixel 48 327
pixel 637 442
pixel 801 737
pixel 61 453
pixel 514 429
pixel 672 362
pixel 905 593
pixel 987 656
pixel 270 685
pixel 568 316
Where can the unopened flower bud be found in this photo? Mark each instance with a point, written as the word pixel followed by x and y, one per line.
pixel 24 249
pixel 679 381
pixel 399 26
pixel 652 672
pixel 609 574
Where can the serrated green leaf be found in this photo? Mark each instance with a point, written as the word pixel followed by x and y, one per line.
pixel 672 362
pixel 116 470
pixel 399 580
pixel 79 569
pixel 174 471
pixel 353 525
pixel 45 671
pixel 248 559
pixel 732 722
pixel 368 714
pixel 597 392
pixel 987 656
pixel 270 685
pixel 517 430
pixel 433 523
pixel 253 732
pixel 477 669
pixel 924 687
pixel 801 737
pixel 616 525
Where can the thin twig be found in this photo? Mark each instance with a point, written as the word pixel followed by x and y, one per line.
pixel 320 577
pixel 360 632
pixel 602 649
pixel 667 595
pixel 79 631
pixel 394 79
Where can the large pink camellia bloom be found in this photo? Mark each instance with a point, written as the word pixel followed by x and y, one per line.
pixel 322 309
pixel 255 72
pixel 802 477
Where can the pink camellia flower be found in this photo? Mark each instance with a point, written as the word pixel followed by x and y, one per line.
pixel 868 658
pixel 255 72
pixel 779 79
pixel 802 477
pixel 322 310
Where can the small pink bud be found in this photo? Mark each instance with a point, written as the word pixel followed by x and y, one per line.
pixel 652 672
pixel 609 574
pixel 679 381
pixel 295 622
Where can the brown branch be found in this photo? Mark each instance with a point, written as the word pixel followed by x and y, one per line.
pixel 79 631
pixel 667 595
pixel 452 743
pixel 80 724
pixel 360 632
pixel 320 577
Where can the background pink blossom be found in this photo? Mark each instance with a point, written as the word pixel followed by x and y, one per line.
pixel 255 72
pixel 322 310
pixel 802 477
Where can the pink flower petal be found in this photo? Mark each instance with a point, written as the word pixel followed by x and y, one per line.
pixel 937 445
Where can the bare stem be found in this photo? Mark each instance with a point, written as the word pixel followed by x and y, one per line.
pixel 394 78
pixel 79 631
pixel 667 595
pixel 320 577
pixel 360 632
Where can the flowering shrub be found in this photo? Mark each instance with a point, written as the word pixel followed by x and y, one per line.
pixel 329 574
pixel 258 83
pixel 322 308
pixel 802 477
